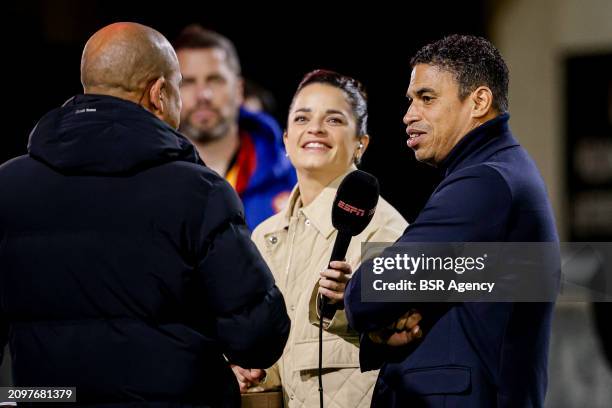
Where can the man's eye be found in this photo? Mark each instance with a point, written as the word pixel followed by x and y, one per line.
pixel 216 80
pixel 299 119
pixel 186 82
pixel 427 99
pixel 335 121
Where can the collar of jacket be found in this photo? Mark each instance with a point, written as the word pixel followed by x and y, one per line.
pixel 479 144
pixel 101 134
pixel 319 211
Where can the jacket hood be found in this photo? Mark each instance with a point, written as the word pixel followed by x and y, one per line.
pixel 100 134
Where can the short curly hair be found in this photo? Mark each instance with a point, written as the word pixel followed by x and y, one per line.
pixel 474 62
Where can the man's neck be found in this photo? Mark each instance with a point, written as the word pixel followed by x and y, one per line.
pixel 476 123
pixel 218 154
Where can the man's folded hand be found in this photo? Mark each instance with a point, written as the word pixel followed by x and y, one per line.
pixel 401 332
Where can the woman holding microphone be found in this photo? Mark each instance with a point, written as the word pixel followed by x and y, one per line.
pixel 325 139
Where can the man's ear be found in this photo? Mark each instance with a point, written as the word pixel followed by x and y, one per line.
pixel 482 102
pixel 156 95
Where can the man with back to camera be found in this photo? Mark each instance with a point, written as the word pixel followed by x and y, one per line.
pixel 244 147
pixel 126 267
pixel 471 354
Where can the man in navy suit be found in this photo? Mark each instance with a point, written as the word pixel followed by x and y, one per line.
pixel 470 354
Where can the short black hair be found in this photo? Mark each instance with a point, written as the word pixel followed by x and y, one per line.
pixel 195 36
pixel 353 89
pixel 474 62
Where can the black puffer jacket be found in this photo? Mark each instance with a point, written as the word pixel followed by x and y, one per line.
pixel 126 268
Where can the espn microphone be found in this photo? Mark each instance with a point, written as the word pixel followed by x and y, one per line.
pixel 353 209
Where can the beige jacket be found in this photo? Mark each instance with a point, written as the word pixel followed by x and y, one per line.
pixel 296 243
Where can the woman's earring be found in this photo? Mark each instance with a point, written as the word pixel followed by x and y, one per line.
pixel 357 158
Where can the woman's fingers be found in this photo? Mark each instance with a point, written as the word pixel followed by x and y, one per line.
pixel 334 275
pixel 341 266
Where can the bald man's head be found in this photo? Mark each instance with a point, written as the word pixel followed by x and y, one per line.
pixel 125 57
pixel 130 61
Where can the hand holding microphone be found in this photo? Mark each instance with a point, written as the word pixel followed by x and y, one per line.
pixel 333 281
pixel 352 211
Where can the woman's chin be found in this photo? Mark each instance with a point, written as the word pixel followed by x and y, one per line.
pixel 313 166
pixel 324 170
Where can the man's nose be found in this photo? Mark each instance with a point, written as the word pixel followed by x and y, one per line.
pixel 411 116
pixel 204 93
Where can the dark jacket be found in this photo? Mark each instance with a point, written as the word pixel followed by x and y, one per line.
pixel 126 267
pixel 476 354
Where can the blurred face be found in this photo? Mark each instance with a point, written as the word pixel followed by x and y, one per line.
pixel 321 135
pixel 436 119
pixel 211 94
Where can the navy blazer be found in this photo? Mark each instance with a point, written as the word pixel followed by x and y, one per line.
pixel 472 354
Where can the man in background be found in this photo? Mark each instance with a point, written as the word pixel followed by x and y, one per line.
pixel 244 147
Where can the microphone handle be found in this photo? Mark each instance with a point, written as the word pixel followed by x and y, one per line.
pixel 343 240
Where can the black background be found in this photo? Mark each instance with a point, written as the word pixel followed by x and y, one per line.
pixel 277 46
